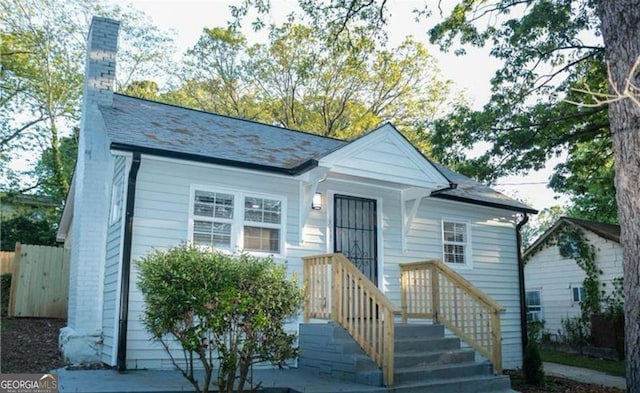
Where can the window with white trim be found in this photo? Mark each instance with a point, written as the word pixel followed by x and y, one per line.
pixel 117 199
pixel 237 221
pixel 534 305
pixel 455 242
pixel 577 293
pixel 212 219
pixel 262 224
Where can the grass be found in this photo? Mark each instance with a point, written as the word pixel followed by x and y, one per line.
pixel 608 366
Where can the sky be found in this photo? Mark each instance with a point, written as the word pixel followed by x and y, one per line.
pixel 470 73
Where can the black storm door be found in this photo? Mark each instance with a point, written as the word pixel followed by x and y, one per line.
pixel 355 229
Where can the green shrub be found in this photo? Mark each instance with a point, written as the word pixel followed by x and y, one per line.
pixel 225 311
pixel 575 331
pixel 5 290
pixel 532 365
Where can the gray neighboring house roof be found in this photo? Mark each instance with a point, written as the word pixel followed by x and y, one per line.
pixel 135 124
pixel 604 230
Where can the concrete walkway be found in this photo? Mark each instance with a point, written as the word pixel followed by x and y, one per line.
pixel 584 375
pixel 148 381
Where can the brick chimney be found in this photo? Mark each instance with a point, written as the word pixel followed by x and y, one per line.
pixel 81 340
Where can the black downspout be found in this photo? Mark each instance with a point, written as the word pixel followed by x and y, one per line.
pixel 523 302
pixel 126 264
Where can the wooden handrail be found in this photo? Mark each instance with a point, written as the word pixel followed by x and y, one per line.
pixel 430 289
pixel 356 304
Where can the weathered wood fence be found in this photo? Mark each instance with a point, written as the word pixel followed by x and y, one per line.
pixel 40 282
pixel 6 262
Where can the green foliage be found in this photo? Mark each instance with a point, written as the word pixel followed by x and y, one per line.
pixel 218 306
pixel 532 365
pixel 5 290
pixel 535 331
pixel 302 80
pixel 575 331
pixel 27 229
pixel 614 300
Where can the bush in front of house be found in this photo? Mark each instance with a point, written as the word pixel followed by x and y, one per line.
pixel 532 365
pixel 226 312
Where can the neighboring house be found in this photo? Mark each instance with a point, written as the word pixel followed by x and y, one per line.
pixel 554 281
pixel 151 176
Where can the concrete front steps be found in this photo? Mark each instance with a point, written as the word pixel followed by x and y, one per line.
pixel 425 360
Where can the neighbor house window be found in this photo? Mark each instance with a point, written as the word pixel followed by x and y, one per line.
pixel 577 293
pixel 237 221
pixel 455 242
pixel 534 306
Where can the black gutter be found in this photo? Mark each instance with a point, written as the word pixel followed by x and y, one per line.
pixel 294 171
pixel 523 302
pixel 126 265
pixel 524 210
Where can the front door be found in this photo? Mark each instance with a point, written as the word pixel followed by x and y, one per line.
pixel 355 229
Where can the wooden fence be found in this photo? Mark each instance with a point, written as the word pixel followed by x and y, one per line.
pixel 40 282
pixel 6 262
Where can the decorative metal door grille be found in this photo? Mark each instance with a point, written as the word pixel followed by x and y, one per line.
pixel 355 228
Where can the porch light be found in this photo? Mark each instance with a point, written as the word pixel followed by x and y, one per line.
pixel 316 202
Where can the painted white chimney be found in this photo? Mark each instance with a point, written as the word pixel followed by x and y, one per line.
pixel 80 341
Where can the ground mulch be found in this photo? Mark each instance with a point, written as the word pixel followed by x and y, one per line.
pixel 30 345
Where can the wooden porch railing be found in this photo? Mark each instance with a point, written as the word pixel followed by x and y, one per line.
pixel 431 289
pixel 336 290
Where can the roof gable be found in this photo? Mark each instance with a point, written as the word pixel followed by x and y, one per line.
pixel 604 230
pixel 384 154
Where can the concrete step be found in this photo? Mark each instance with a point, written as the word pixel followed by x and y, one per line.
pixel 447 371
pixel 426 344
pixel 406 331
pixel 425 358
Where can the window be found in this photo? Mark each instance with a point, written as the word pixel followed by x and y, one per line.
pixel 568 247
pixel 534 306
pixel 455 240
pixel 577 292
pixel 116 200
pixel 212 219
pixel 233 220
pixel 262 219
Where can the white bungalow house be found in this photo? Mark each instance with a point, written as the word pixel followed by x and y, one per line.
pixel 554 281
pixel 151 176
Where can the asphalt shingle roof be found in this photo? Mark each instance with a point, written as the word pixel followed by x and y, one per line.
pixel 135 124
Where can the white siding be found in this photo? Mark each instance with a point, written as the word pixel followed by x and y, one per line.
pixel 553 275
pixel 161 220
pixel 112 271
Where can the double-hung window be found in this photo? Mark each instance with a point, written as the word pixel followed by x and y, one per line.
pixel 534 305
pixel 213 214
pixel 237 221
pixel 455 242
pixel 262 224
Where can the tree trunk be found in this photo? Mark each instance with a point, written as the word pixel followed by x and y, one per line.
pixel 620 26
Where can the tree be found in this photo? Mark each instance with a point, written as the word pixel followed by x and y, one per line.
pixel 42 47
pixel 299 79
pixel 218 306
pixel 620 25
pixel 44 170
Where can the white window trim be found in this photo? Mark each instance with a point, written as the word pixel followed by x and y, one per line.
pixel 468 260
pixel 571 288
pixel 238 222
pixel 539 290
